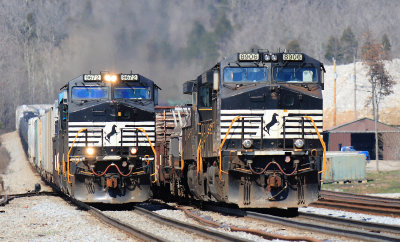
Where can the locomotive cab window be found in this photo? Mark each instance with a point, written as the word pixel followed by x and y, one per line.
pixel 205 97
pixel 245 74
pixel 295 74
pixel 87 92
pixel 132 92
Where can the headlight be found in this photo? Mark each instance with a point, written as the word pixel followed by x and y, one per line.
pixel 267 57
pixel 247 143
pixel 274 57
pixel 110 78
pixel 133 151
pixel 299 143
pixel 90 151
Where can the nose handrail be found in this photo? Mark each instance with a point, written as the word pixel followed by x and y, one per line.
pixel 322 143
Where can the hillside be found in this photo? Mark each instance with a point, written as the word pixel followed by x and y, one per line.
pixel 43 44
pixel 345 95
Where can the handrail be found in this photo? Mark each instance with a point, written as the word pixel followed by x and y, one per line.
pixel 182 162
pixel 69 152
pixel 154 152
pixel 202 142
pixel 223 142
pixel 63 165
pixel 322 143
pixel 198 160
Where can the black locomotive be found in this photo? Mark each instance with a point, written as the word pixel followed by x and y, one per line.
pixel 96 142
pixel 252 135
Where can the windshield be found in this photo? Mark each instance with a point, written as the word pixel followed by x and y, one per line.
pixel 295 75
pixel 88 92
pixel 132 92
pixel 245 74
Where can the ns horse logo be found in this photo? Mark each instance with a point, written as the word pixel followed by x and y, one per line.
pixel 111 133
pixel 274 121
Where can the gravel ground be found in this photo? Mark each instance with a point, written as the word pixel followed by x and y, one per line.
pixel 354 216
pixel 166 232
pixel 50 218
pixel 247 223
pixel 389 195
pixel 44 218
pixel 180 215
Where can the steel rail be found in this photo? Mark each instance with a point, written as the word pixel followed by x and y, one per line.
pixel 366 198
pixel 361 202
pixel 353 223
pixel 326 229
pixel 357 207
pixel 260 233
pixel 9 197
pixel 136 232
pixel 215 235
pixel 4 200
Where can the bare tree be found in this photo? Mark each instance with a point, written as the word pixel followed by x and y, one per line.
pixel 373 56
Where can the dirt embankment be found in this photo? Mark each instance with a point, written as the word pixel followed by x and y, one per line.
pixel 4 159
pixel 19 176
pixel 4 156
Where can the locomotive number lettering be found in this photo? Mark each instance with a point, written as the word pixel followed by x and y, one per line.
pixel 249 57
pixel 91 77
pixel 129 77
pixel 292 57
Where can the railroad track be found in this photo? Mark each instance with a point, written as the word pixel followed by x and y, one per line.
pixel 137 232
pixel 359 229
pixel 134 231
pixel 359 203
pixel 203 232
pixel 368 226
pixel 4 199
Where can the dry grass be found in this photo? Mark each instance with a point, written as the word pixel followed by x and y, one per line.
pixel 378 182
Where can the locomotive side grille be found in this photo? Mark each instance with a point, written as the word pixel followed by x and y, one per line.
pixel 269 124
pixel 111 133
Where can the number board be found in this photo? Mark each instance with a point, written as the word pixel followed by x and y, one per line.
pixel 249 57
pixel 129 77
pixel 292 57
pixel 92 77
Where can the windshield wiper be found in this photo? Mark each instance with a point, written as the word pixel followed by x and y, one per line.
pixel 229 86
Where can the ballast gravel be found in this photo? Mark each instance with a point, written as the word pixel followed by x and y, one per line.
pixel 166 232
pixel 44 218
pixel 180 215
pixel 354 216
pixel 246 223
pixel 48 218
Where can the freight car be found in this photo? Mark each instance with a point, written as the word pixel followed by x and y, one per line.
pixel 251 136
pixel 96 142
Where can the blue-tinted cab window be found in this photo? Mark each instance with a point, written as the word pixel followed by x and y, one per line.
pixel 132 92
pixel 89 93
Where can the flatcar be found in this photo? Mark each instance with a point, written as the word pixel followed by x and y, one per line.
pixel 96 142
pixel 252 134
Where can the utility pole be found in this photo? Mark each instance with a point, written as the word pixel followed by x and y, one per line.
pixel 375 124
pixel 334 92
pixel 355 89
